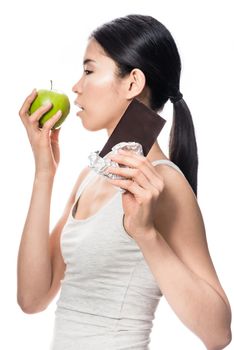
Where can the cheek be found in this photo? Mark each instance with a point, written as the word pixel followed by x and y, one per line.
pixel 101 86
pixel 102 96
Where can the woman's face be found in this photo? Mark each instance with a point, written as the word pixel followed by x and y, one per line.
pixel 99 91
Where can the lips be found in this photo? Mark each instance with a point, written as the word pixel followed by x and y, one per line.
pixel 78 105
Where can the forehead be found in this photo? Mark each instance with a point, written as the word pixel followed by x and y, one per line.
pixel 95 52
pixel 93 47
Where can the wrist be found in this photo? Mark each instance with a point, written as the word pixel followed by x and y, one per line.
pixel 148 237
pixel 44 176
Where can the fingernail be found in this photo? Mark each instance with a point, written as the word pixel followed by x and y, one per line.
pixel 59 113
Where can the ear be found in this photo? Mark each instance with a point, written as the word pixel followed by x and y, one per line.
pixel 135 83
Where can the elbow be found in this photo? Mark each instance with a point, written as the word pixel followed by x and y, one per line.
pixel 224 341
pixel 31 309
pixel 30 306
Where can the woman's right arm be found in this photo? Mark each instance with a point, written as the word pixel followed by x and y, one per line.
pixel 40 265
pixel 40 262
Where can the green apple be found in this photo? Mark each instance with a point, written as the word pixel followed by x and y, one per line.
pixel 58 100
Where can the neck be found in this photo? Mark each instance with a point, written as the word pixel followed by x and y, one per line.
pixel 156 153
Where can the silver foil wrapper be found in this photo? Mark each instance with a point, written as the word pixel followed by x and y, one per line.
pixel 100 165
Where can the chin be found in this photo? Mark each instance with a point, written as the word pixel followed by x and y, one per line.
pixel 92 127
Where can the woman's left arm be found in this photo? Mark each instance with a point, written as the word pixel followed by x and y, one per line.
pixel 163 216
pixel 178 256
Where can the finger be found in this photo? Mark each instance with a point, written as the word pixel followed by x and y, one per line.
pixel 132 174
pixel 50 122
pixel 36 116
pixel 132 154
pixel 152 183
pixel 130 186
pixel 140 163
pixel 131 159
pixel 139 157
pixel 127 160
pixel 136 156
pixel 23 112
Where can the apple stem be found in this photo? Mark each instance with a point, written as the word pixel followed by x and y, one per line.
pixel 51 84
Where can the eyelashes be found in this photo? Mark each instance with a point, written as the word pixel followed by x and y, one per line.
pixel 87 72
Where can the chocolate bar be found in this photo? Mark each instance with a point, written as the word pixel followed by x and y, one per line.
pixel 138 124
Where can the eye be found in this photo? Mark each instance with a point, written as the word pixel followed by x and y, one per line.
pixel 87 72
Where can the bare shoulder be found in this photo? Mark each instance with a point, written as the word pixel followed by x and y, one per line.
pixel 178 208
pixel 177 187
pixel 179 220
pixel 84 172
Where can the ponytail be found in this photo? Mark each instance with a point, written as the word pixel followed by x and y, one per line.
pixel 182 142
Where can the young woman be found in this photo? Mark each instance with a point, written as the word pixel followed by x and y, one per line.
pixel 115 254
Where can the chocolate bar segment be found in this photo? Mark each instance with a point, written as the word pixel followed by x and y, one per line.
pixel 138 124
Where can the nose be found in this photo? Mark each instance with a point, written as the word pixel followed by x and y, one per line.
pixel 77 87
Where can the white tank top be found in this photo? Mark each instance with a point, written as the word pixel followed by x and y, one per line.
pixel 108 295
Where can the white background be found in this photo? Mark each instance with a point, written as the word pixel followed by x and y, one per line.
pixel 43 40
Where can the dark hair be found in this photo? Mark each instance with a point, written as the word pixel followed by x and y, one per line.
pixel 137 41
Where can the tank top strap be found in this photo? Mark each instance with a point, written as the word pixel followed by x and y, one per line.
pixel 167 162
pixel 91 174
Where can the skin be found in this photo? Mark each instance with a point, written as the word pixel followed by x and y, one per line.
pixel 161 212
pixel 99 89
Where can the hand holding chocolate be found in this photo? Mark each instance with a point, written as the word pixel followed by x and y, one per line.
pixel 137 130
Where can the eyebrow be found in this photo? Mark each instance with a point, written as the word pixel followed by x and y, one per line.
pixel 88 60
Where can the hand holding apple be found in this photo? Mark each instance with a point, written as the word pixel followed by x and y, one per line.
pixel 44 141
pixel 58 100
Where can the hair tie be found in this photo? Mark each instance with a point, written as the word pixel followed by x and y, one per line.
pixel 176 98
